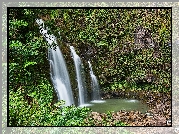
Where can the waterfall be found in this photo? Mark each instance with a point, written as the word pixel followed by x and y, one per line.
pixel 80 79
pixel 96 97
pixel 58 69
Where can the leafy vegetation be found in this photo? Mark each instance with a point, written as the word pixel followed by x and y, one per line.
pixel 30 91
pixel 109 38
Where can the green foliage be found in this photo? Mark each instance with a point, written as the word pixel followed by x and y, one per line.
pixel 110 34
pixel 40 112
pixel 30 92
pixel 105 37
pixel 73 116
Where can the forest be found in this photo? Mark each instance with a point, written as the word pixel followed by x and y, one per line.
pixel 130 55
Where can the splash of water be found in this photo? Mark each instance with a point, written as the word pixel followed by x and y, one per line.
pixel 58 69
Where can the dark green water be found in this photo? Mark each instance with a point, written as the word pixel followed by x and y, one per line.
pixel 118 104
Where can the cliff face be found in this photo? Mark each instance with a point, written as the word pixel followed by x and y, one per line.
pixel 121 44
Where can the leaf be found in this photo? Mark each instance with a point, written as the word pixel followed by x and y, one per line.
pixel 29 63
pixel 102 43
pixel 32 94
pixel 62 102
pixel 15 44
pixel 120 86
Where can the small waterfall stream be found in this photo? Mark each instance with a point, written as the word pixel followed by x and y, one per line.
pixel 96 97
pixel 58 69
pixel 81 86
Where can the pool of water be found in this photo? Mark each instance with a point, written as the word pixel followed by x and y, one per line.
pixel 117 105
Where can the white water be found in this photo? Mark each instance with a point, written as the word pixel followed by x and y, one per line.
pixel 81 86
pixel 98 101
pixel 58 70
pixel 96 97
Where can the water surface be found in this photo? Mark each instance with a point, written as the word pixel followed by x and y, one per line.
pixel 118 104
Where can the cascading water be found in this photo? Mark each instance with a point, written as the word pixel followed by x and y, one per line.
pixel 96 97
pixel 79 71
pixel 58 70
